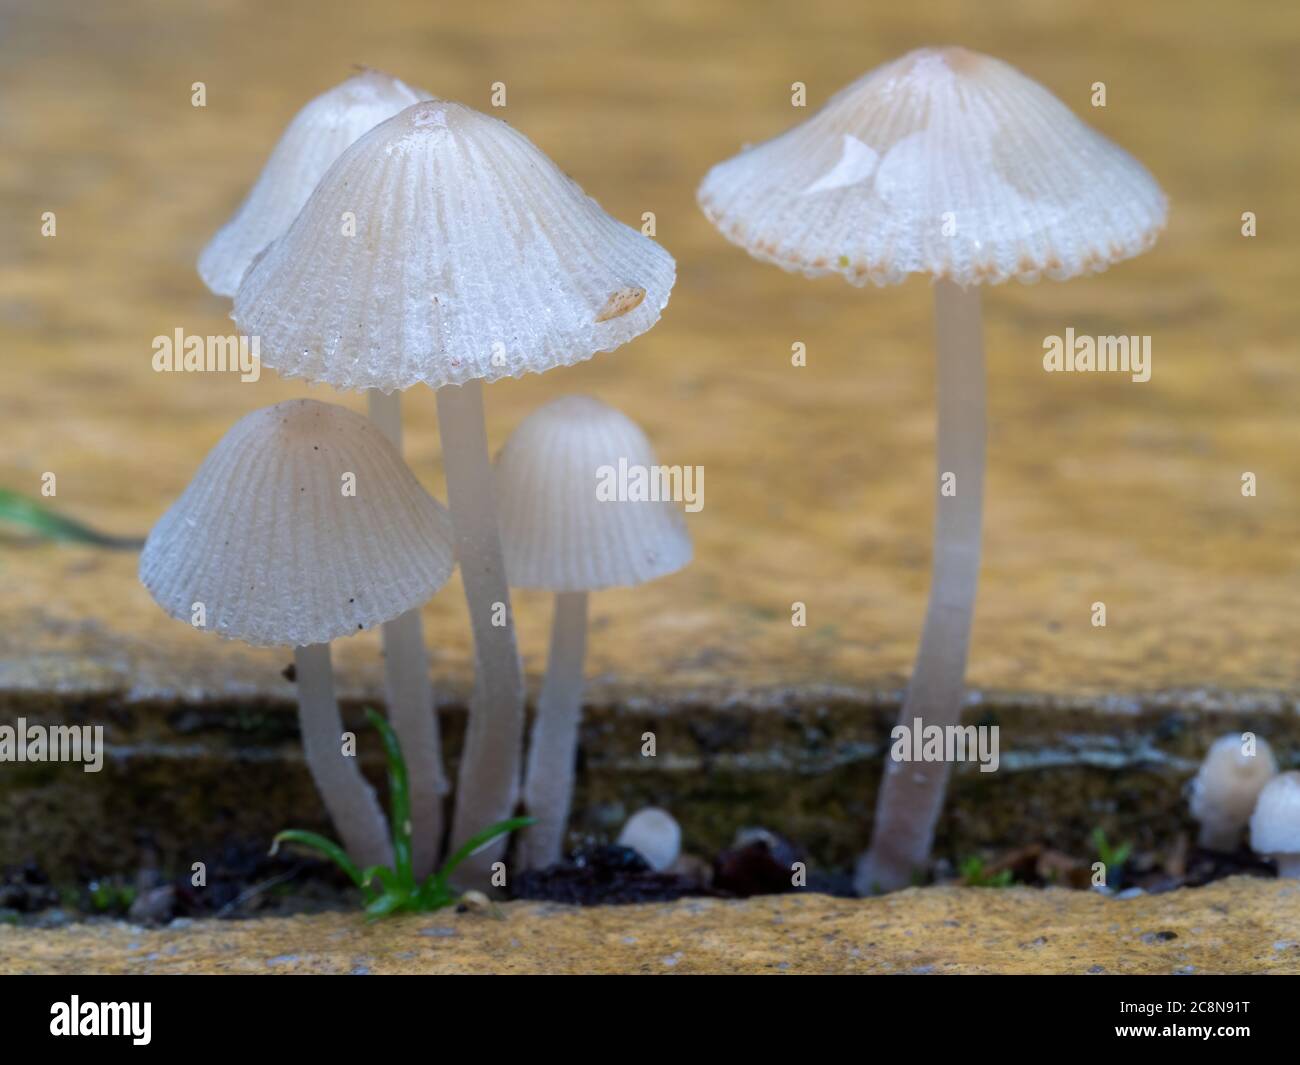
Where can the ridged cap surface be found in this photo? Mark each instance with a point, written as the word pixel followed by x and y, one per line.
pixel 310 144
pixel 556 531
pixel 944 162
pixel 265 538
pixel 473 257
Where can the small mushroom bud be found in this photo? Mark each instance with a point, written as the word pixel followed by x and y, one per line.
pixel 655 835
pixel 1275 824
pixel 1225 788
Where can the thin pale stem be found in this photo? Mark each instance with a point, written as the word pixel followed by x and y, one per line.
pixel 1221 834
pixel 548 786
pixel 911 793
pixel 348 797
pixel 487 785
pixel 410 692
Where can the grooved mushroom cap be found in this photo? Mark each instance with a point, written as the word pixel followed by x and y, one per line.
pixel 943 162
pixel 1229 781
pixel 1275 824
pixel 265 538
pixel 556 531
pixel 474 256
pixel 313 140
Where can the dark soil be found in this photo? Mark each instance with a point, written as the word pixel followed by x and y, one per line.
pixel 245 882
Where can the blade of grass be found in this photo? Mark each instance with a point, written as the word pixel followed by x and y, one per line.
pixel 384 905
pixel 399 798
pixel 501 828
pixel 50 525
pixel 326 847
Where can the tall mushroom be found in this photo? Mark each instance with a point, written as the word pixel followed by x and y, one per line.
pixel 473 258
pixel 301 526
pixel 310 144
pixel 955 165
pixel 566 528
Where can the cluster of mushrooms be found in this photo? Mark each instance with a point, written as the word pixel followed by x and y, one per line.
pixel 394 239
pixel 1237 787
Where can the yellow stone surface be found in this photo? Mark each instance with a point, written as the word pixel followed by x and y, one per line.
pixel 819 479
pixel 1234 926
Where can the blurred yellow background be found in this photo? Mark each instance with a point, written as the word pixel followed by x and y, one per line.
pixel 818 479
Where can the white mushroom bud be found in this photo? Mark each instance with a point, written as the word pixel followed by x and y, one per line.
pixel 655 835
pixel 1225 788
pixel 1275 824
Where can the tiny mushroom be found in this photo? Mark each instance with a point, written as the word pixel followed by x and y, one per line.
pixel 1225 788
pixel 315 138
pixel 655 835
pixel 567 528
pixel 1275 824
pixel 301 526
pixel 954 165
pixel 311 142
pixel 473 258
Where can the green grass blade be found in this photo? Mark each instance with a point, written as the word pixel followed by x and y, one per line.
pixel 482 839
pixel 399 793
pixel 326 847
pixel 387 903
pixel 50 525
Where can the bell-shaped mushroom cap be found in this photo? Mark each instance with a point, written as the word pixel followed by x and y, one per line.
pixel 444 247
pixel 315 138
pixel 302 525
pixel 1275 824
pixel 1229 781
pixel 943 162
pixel 580 504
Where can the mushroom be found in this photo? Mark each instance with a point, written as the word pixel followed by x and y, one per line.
pixel 1225 788
pixel 1275 824
pixel 473 258
pixel 950 164
pixel 655 835
pixel 562 532
pixel 312 142
pixel 270 545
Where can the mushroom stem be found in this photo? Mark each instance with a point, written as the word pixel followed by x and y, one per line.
pixel 548 787
pixel 1222 834
pixel 410 692
pixel 348 797
pixel 487 786
pixel 911 793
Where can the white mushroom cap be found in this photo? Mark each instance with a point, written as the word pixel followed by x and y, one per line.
pixel 267 540
pixel 556 531
pixel 1225 788
pixel 943 162
pixel 315 138
pixel 474 257
pixel 1275 824
pixel 655 835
